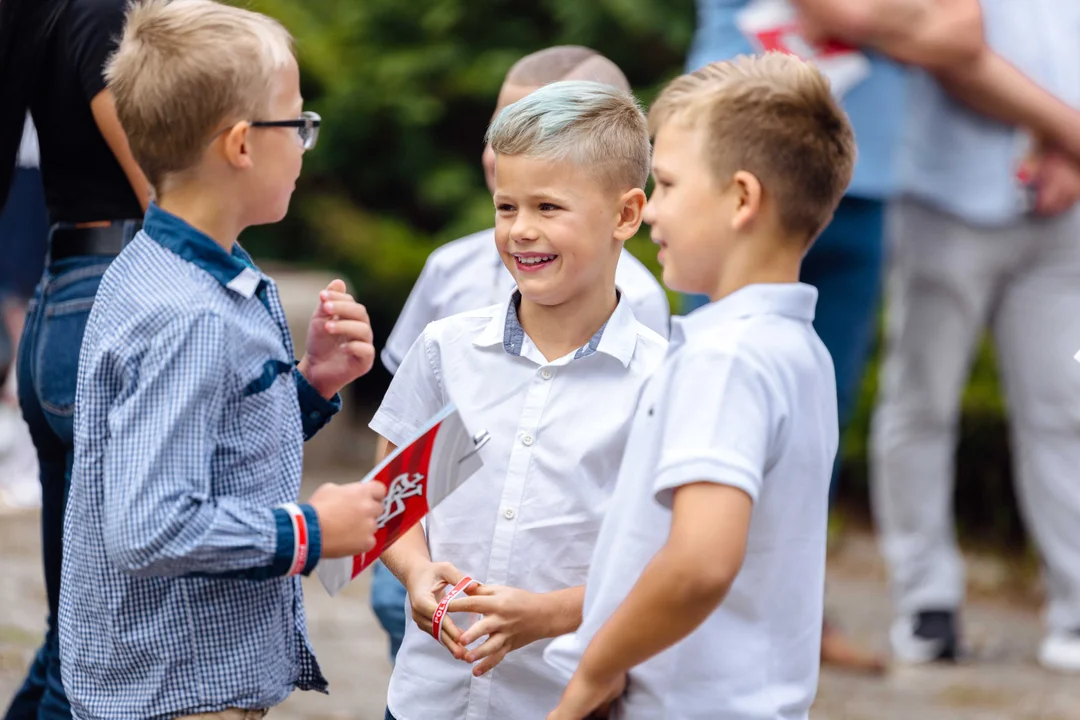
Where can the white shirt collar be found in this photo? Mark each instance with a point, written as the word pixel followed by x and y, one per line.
pixel 794 300
pixel 617 337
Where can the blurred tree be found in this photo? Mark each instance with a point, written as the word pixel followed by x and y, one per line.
pixel 406 91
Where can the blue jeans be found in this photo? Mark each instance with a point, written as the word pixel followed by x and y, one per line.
pixel 388 602
pixel 845 265
pixel 47 371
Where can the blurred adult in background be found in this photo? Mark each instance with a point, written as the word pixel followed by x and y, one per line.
pixel 24 228
pixel 52 53
pixel 845 264
pixel 977 247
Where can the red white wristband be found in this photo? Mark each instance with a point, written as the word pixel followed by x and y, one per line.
pixel 300 538
pixel 440 611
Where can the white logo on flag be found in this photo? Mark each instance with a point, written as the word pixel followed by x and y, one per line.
pixel 401 487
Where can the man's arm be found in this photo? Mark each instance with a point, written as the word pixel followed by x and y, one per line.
pixel 932 34
pixel 676 592
pixel 945 38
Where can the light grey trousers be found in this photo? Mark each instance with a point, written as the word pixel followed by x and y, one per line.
pixel 947 283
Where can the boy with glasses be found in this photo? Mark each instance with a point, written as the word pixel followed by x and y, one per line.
pixel 183 540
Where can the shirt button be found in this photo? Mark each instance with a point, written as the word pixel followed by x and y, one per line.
pixel 527 440
pixel 509 513
pixel 546 373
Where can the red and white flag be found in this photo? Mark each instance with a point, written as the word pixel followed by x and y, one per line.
pixel 773 25
pixel 418 476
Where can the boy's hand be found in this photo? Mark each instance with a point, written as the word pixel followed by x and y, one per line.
pixel 588 698
pixel 348 516
pixel 512 619
pixel 339 342
pixel 426 584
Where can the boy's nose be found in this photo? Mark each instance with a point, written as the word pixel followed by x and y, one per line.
pixel 648 213
pixel 523 229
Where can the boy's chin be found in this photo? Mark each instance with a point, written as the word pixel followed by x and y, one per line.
pixel 271 212
pixel 672 281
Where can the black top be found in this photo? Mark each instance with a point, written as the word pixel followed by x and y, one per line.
pixel 83 180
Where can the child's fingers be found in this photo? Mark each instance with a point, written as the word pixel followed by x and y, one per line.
pixel 483 627
pixel 495 642
pixel 336 285
pixel 451 638
pixel 350 330
pixel 346 309
pixel 481 605
pixel 490 662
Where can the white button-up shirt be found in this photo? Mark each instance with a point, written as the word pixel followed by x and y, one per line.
pixel 468 274
pixel 530 517
pixel 746 398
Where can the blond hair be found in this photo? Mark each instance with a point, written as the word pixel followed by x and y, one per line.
pixel 186 68
pixel 771 115
pixel 596 126
pixel 566 62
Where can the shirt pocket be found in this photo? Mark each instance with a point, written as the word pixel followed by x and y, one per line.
pixel 264 408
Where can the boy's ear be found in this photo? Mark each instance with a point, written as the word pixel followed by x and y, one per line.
pixel 748 192
pixel 631 204
pixel 235 146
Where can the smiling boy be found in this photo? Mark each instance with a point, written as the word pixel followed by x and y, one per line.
pixel 553 372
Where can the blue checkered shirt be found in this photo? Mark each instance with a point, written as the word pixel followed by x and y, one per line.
pixel 190 420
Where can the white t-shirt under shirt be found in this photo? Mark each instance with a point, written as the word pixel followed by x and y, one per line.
pixel 746 397
pixel 468 273
pixel 530 517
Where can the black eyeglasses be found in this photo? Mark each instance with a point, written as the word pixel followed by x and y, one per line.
pixel 307 127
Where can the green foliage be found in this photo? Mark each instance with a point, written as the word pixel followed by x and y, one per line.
pixel 406 91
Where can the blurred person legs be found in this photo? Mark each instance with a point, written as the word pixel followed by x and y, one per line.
pixel 48 362
pixel 388 601
pixel 23 235
pixel 948 281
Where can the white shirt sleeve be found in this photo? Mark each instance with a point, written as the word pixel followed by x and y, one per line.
pixel 652 311
pixel 419 310
pixel 719 421
pixel 415 394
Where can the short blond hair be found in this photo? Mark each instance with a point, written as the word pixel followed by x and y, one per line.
pixel 774 116
pixel 186 68
pixel 594 125
pixel 566 62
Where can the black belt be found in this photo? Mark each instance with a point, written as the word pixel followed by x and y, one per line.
pixel 69 241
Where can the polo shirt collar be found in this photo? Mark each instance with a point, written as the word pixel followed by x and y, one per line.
pixel 617 337
pixel 793 300
pixel 234 270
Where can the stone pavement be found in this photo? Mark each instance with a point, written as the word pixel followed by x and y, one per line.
pixel 1003 684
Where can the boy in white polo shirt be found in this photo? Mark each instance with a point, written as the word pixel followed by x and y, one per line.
pixel 704 597
pixel 553 372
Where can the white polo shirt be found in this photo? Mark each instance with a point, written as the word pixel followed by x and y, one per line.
pixel 530 517
pixel 747 398
pixel 468 273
